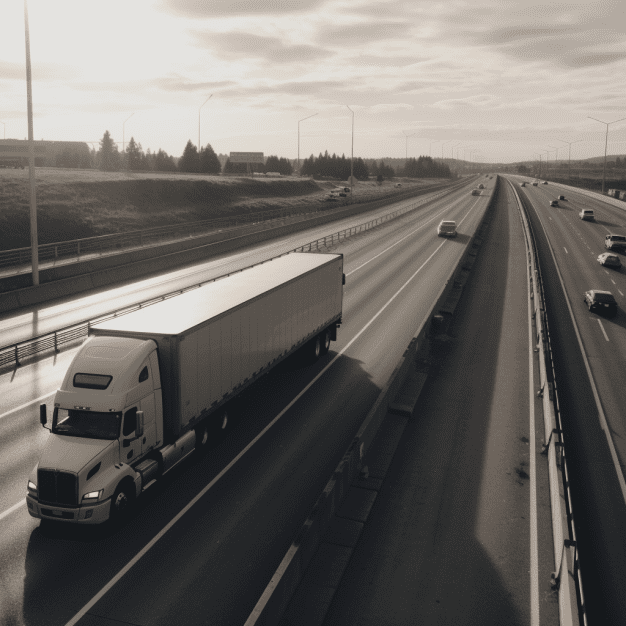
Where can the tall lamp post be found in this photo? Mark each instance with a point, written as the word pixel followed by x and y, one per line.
pixel 547 161
pixel 556 157
pixel 124 134
pixel 606 142
pixel 569 158
pixel 406 146
pixel 34 242
pixel 351 155
pixel 199 144
pixel 302 120
pixel 443 144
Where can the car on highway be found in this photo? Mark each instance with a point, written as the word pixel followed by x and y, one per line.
pixel 561 197
pixel 398 185
pixel 601 301
pixel 446 228
pixel 476 192
pixel 545 182
pixel 523 184
pixel 587 214
pixel 615 242
pixel 481 186
pixel 610 260
pixel 554 203
pixel 535 184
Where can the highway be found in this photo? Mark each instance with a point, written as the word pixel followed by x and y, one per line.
pixel 590 382
pixel 202 547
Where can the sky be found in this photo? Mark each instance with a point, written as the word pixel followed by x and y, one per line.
pixel 495 80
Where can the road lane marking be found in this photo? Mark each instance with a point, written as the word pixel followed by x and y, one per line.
pixel 534 540
pixel 603 331
pixel 606 272
pixel 564 248
pixel 620 292
pixel 356 269
pixel 15 507
pixel 613 281
pixel 181 513
pixel 23 406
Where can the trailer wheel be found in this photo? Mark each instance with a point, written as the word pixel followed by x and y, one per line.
pixel 315 348
pixel 123 500
pixel 202 438
pixel 325 341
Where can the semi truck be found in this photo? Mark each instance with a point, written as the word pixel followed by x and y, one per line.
pixel 148 388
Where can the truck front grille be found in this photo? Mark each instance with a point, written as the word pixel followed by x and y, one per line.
pixel 57 487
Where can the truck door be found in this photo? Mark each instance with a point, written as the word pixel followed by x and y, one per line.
pixel 148 440
pixel 131 444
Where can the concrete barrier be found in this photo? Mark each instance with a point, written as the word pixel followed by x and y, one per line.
pixel 112 271
pixel 274 601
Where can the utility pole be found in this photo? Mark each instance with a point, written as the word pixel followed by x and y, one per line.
pixel 302 120
pixel 34 241
pixel 351 157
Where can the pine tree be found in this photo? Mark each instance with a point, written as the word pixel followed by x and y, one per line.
pixel 108 154
pixel 209 163
pixel 189 161
pixel 133 155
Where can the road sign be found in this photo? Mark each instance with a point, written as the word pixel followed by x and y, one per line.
pixel 246 157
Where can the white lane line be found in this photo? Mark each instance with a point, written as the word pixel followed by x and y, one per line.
pixel 23 406
pixel 606 272
pixel 602 328
pixel 15 507
pixel 620 292
pixel 534 540
pixel 161 533
pixel 356 269
pixel 613 281
pixel 564 248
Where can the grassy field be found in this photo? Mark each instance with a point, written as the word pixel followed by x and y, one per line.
pixel 73 204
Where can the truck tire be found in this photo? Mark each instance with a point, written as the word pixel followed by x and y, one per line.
pixel 315 348
pixel 325 341
pixel 202 438
pixel 122 501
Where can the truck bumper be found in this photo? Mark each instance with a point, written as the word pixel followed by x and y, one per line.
pixel 89 514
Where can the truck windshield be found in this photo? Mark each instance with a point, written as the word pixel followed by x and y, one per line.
pixel 91 424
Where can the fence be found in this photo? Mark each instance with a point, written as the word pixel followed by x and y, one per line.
pixel 16 353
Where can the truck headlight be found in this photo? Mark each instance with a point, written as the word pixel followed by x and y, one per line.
pixel 92 496
pixel 32 488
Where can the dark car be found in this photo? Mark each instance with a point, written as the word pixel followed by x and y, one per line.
pixel 554 203
pixel 545 182
pixel 599 301
pixel 561 197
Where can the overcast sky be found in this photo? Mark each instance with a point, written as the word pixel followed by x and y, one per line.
pixel 505 78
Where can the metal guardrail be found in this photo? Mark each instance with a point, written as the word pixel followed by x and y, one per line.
pixel 18 352
pixel 77 249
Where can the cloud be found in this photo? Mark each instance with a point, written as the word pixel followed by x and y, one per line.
pixel 41 71
pixel 484 100
pixel 238 45
pixel 223 8
pixel 347 35
pixel 389 108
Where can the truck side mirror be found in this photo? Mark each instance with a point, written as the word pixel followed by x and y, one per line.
pixel 43 417
pixel 139 429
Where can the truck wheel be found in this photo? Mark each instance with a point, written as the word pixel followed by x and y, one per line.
pixel 122 501
pixel 325 341
pixel 315 349
pixel 202 438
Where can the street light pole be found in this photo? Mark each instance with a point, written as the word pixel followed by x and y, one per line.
pixel 406 147
pixel 443 144
pixel 606 143
pixel 302 120
pixel 547 160
pixel 199 144
pixel 34 242
pixel 569 158
pixel 351 155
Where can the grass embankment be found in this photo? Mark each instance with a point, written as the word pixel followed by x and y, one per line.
pixel 74 204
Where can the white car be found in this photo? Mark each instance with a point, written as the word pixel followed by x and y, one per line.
pixel 446 228
pixel 612 260
pixel 586 214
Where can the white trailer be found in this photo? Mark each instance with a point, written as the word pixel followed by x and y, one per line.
pixel 149 387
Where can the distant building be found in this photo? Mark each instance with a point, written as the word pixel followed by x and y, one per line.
pixel 14 153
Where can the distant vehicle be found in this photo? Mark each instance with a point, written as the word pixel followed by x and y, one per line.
pixel 148 388
pixel 554 203
pixel 481 186
pixel 561 197
pixel 534 184
pixel 398 184
pixel 343 189
pixel 601 301
pixel 446 228
pixel 523 184
pixel 615 242
pixel 476 192
pixel 545 182
pixel 611 260
pixel 587 214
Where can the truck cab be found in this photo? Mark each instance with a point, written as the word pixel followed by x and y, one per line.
pixel 107 417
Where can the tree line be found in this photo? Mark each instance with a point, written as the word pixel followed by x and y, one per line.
pixel 108 157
